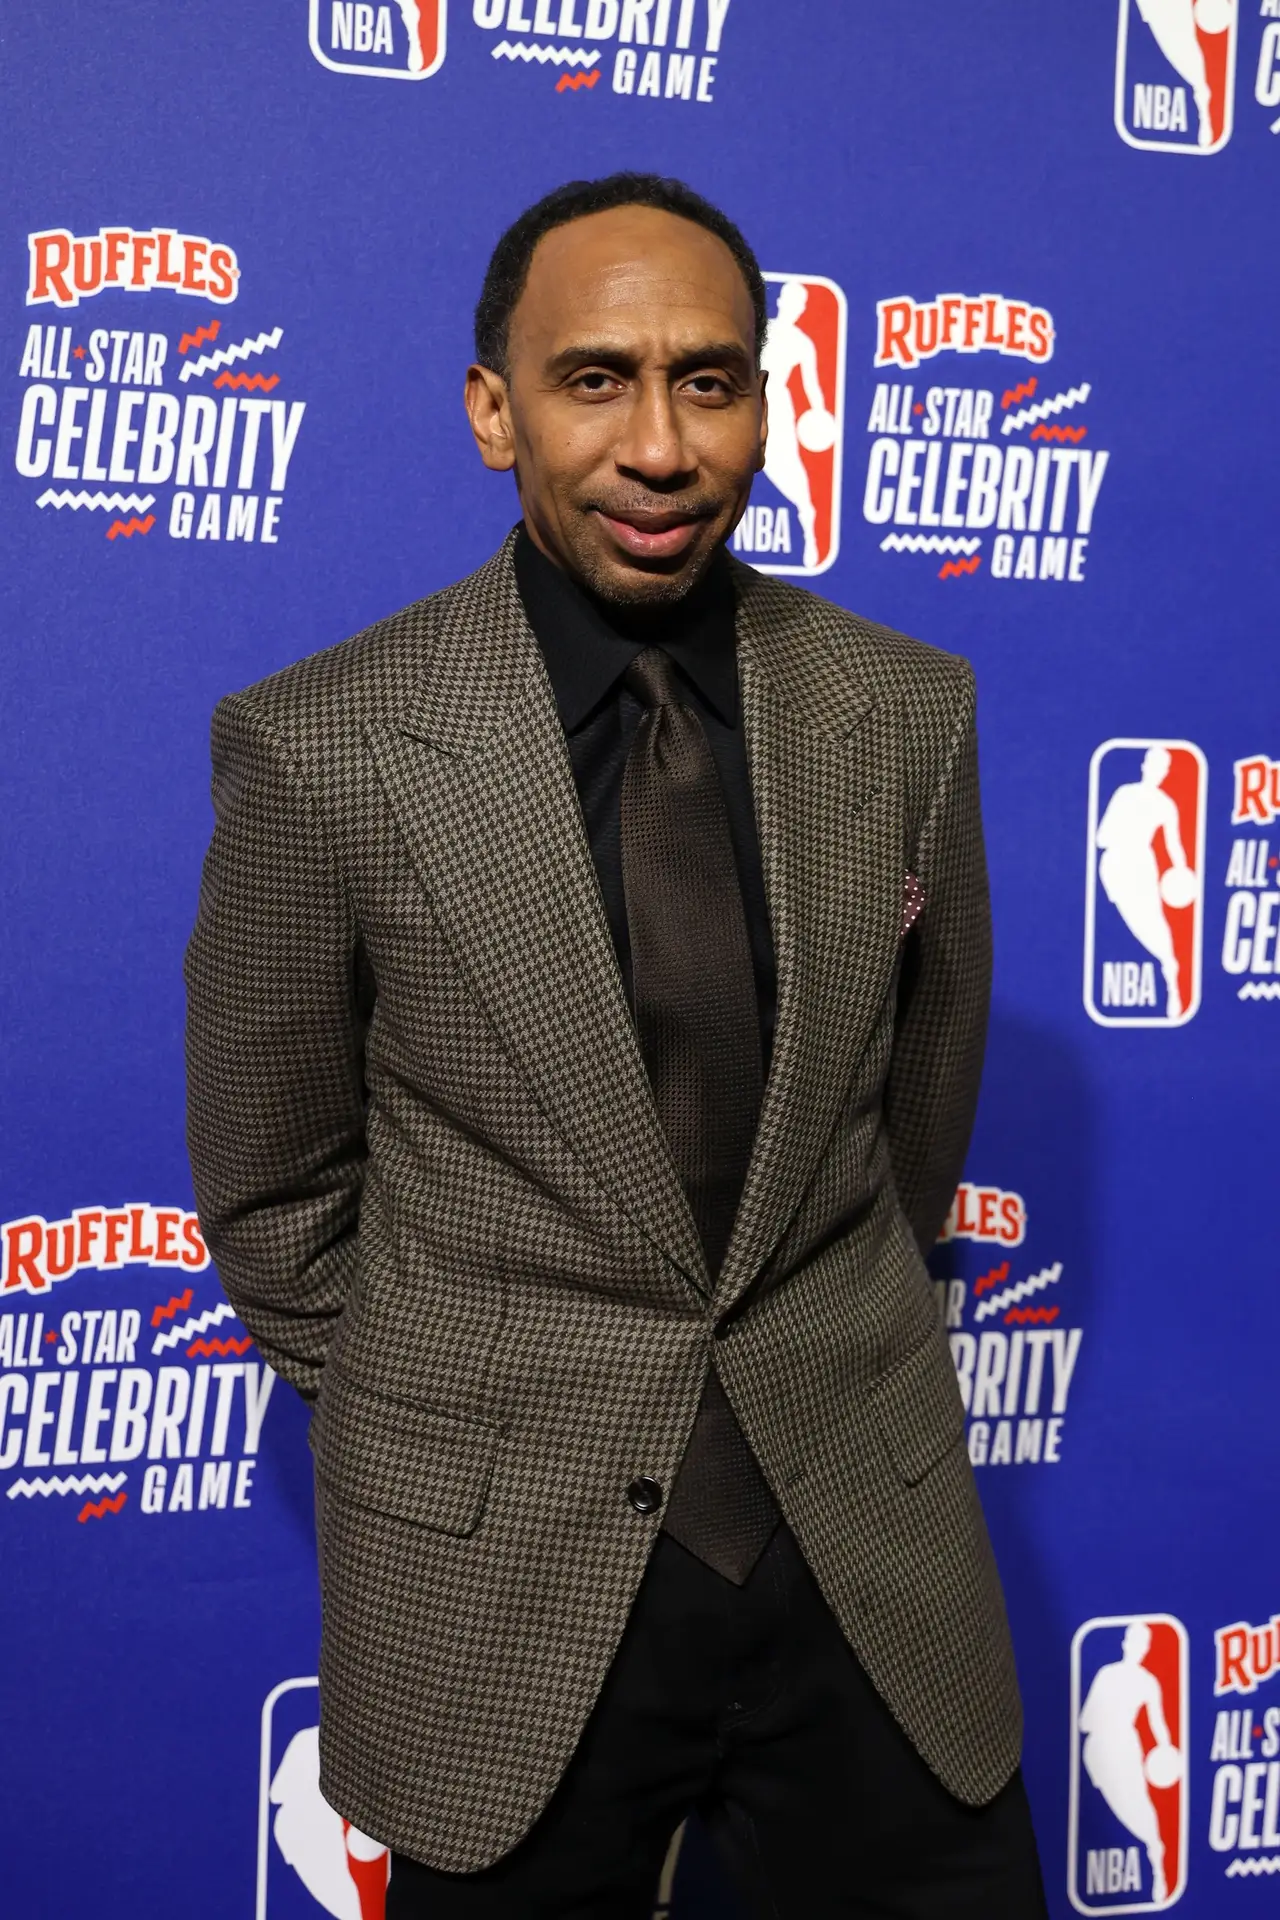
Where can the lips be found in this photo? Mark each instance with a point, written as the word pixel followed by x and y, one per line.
pixel 652 536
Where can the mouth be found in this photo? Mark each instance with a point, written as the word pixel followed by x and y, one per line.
pixel 645 535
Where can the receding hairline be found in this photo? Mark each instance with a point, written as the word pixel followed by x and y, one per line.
pixel 509 263
pixel 743 290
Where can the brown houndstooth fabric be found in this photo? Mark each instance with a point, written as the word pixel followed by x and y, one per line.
pixel 431 1172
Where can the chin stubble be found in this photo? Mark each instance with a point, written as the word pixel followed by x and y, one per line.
pixel 648 589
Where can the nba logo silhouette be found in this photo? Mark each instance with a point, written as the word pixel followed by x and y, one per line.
pixel 792 524
pixel 311 1862
pixel 1176 74
pixel 400 41
pixel 1127 1816
pixel 1145 884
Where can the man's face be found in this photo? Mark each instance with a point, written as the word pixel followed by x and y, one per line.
pixel 632 412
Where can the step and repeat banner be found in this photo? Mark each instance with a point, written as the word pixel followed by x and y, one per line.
pixel 1023 379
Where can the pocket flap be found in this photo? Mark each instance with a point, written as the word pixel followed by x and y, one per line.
pixel 413 1462
pixel 919 1409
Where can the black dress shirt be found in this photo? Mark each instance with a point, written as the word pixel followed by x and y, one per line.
pixel 586 656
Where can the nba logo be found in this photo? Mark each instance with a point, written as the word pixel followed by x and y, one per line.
pixel 1144 888
pixel 792 524
pixel 402 41
pixel 1176 74
pixel 1127 1818
pixel 311 1861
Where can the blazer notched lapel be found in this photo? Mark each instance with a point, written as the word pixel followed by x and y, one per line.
pixel 827 782
pixel 478 776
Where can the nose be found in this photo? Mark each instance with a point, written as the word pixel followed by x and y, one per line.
pixel 652 448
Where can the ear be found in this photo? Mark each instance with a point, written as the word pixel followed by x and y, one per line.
pixel 489 411
pixel 764 421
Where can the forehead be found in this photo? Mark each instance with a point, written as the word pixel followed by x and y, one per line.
pixel 633 268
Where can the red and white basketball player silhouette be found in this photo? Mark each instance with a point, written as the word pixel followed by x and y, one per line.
pixel 411 14
pixel 1113 1752
pixel 1177 26
pixel 1130 873
pixel 789 349
pixel 343 1870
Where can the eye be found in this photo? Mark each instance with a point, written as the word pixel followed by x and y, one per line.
pixel 595 381
pixel 708 386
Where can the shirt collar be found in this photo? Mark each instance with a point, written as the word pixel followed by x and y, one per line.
pixel 585 654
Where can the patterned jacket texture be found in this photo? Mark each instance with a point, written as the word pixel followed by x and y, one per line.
pixel 433 1180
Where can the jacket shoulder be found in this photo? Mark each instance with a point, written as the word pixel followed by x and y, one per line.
pixel 884 661
pixel 359 679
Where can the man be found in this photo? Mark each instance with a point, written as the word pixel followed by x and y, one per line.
pixel 587 1006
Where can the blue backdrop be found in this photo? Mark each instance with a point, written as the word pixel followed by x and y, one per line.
pixel 1023 268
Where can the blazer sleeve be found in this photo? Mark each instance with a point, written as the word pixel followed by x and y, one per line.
pixel 275 1087
pixel 944 993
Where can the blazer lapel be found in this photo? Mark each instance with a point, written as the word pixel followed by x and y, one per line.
pixel 825 772
pixel 478 776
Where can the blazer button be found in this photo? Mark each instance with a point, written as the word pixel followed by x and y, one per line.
pixel 645 1494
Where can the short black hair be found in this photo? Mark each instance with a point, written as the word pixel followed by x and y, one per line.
pixel 508 267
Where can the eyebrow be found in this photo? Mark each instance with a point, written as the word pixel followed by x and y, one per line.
pixel 726 353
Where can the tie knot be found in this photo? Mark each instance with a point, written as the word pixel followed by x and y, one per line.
pixel 651 679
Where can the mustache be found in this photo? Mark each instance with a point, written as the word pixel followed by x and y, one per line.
pixel 693 506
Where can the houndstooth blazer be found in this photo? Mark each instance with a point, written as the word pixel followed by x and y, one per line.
pixel 434 1182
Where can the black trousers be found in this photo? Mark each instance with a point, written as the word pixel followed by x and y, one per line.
pixel 745 1705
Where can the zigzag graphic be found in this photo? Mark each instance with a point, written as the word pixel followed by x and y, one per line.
pixel 1057 403
pixel 1011 395
pixel 1028 1316
pixel 1074 434
pixel 1259 990
pixel 559 56
pixel 200 1323
pixel 1240 1868
pixel 927 543
pixel 94 1510
pixel 1009 1296
pixel 953 568
pixel 211 1347
pixel 129 527
pixel 178 1303
pixel 112 502
pixel 67 1483
pixel 198 338
pixel 262 382
pixel 992 1279
pixel 576 80
pixel 227 356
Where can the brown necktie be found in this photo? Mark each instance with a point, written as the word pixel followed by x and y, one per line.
pixel 698 1024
